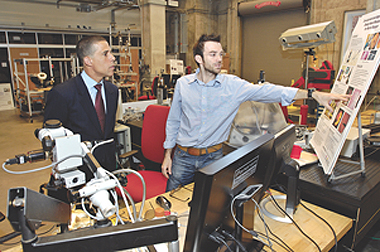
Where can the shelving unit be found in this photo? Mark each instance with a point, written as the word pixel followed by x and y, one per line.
pixel 128 76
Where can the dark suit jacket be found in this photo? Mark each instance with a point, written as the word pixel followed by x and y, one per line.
pixel 71 103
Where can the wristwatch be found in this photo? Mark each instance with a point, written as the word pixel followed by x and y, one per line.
pixel 310 93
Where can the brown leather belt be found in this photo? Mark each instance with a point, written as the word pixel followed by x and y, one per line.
pixel 201 151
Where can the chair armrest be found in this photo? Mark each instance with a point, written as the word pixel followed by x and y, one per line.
pixel 128 154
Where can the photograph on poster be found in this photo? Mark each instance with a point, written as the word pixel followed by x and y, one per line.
pixel 371 46
pixel 353 101
pixel 343 122
pixel 345 74
pixel 338 118
pixel 329 114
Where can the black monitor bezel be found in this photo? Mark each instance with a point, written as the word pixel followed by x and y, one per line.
pixel 204 179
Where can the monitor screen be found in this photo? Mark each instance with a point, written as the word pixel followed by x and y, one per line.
pixel 174 79
pixel 166 78
pixel 218 183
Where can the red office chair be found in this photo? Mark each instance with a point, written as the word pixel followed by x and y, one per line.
pixel 152 139
pixel 150 94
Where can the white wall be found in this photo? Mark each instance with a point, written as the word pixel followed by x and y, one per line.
pixel 14 13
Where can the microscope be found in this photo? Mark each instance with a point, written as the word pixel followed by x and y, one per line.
pixel 27 209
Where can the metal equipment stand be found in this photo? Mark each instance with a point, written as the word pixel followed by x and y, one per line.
pixel 24 93
pixel 123 51
pixel 361 154
pixel 308 53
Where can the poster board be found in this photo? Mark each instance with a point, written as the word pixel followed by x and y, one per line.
pixel 6 97
pixel 354 77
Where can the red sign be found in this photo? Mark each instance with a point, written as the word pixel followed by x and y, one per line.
pixel 268 3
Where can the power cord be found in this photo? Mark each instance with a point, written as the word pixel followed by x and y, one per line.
pixel 280 242
pixel 318 216
pixel 218 238
pixel 238 243
pixel 8 162
pixel 297 226
pixel 247 194
pixel 328 224
pixel 282 245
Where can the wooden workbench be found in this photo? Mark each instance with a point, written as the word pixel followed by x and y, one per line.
pixel 309 223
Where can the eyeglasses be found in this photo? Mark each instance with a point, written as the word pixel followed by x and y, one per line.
pixel 172 192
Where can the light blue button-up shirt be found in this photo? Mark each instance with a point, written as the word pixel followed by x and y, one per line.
pixel 201 114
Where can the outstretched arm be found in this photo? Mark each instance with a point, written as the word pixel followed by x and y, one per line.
pixel 322 98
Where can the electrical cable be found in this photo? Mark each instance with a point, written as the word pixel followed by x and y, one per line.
pixel 252 232
pixel 15 234
pixel 47 231
pixel 238 243
pixel 11 243
pixel 224 243
pixel 122 189
pixel 265 224
pixel 284 245
pixel 216 237
pixel 118 217
pixel 133 218
pixel 328 224
pixel 85 210
pixel 101 143
pixel 298 227
pixel 41 168
pixel 131 200
pixel 143 184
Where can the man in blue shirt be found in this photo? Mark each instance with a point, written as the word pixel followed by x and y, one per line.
pixel 204 106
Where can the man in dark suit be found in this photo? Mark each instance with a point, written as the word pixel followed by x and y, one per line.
pixel 73 102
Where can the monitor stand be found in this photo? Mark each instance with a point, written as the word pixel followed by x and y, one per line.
pixel 291 169
pixel 250 246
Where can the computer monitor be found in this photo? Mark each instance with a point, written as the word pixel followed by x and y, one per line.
pixel 174 79
pixel 166 78
pixel 218 183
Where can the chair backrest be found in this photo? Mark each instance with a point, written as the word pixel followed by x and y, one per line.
pixel 153 132
pixel 154 86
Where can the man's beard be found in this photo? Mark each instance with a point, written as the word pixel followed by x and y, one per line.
pixel 211 70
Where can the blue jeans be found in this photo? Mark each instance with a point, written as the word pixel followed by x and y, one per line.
pixel 185 165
